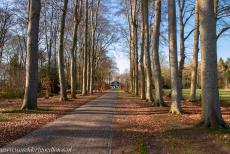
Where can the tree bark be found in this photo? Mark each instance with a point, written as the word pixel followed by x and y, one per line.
pixel 73 51
pixel 85 54
pixel 149 94
pixel 155 55
pixel 211 113
pixel 175 106
pixel 195 56
pixel 94 26
pixel 30 97
pixel 143 87
pixel 63 94
pixel 182 47
pixel 134 26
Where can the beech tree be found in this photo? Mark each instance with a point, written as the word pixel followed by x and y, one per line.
pixel 77 20
pixel 94 24
pixel 211 113
pixel 175 106
pixel 155 55
pixel 63 94
pixel 85 54
pixel 195 55
pixel 31 88
pixel 185 13
pixel 145 43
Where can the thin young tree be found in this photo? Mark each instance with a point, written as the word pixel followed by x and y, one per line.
pixel 145 43
pixel 155 55
pixel 195 56
pixel 186 11
pixel 63 93
pixel 211 113
pixel 175 106
pixel 30 97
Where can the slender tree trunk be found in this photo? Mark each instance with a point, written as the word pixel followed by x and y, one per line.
pixel 182 49
pixel 175 107
pixel 92 46
pixel 134 26
pixel 89 56
pixel 210 95
pixel 155 55
pixel 30 97
pixel 195 56
pixel 143 87
pixel 73 54
pixel 149 94
pixel 63 94
pixel 94 26
pixel 85 57
pixel 131 63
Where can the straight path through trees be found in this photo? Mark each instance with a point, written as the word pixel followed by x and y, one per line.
pixel 87 129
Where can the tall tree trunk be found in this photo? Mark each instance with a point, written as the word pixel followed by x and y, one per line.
pixel 85 54
pixel 195 56
pixel 143 87
pixel 30 97
pixel 211 113
pixel 155 55
pixel 149 94
pixel 94 26
pixel 175 107
pixel 63 94
pixel 89 56
pixel 73 52
pixel 134 26
pixel 182 47
pixel 92 48
pixel 131 63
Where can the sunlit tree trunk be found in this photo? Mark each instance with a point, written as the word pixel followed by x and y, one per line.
pixel 30 97
pixel 144 8
pixel 175 106
pixel 85 57
pixel 181 4
pixel 155 55
pixel 143 87
pixel 211 113
pixel 77 14
pixel 94 26
pixel 134 26
pixel 195 56
pixel 63 94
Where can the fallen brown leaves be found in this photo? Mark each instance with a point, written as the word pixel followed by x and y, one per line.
pixel 139 123
pixel 15 123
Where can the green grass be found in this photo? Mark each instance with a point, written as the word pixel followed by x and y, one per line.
pixel 5 119
pixel 224 94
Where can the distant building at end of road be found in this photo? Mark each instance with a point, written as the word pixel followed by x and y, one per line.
pixel 115 85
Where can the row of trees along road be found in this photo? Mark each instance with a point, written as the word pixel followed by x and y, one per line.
pixel 66 44
pixel 78 34
pixel 208 16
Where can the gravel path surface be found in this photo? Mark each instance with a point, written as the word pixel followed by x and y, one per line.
pixel 86 130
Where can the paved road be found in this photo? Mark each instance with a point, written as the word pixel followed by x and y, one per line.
pixel 86 130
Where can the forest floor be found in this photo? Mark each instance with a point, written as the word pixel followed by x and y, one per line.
pixel 142 128
pixel 15 123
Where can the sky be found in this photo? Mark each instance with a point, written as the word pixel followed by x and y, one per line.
pixel 119 50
